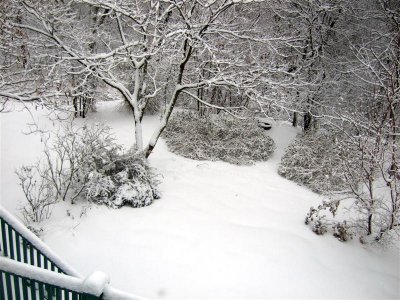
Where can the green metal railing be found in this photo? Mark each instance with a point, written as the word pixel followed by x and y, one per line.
pixel 19 281
pixel 22 254
pixel 16 287
pixel 28 270
pixel 17 247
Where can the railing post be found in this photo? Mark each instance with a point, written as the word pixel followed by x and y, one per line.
pixel 95 283
pixel 2 292
pixel 3 237
pixel 90 297
pixel 11 242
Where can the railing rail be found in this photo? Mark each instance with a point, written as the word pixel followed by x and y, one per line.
pixel 25 282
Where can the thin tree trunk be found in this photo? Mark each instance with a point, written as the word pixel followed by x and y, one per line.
pixel 307 121
pixel 295 121
pixel 187 52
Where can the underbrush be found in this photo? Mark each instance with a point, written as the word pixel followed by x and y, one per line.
pixel 316 161
pixel 217 139
pixel 359 185
pixel 85 164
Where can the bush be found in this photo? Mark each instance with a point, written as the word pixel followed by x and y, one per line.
pixel 38 193
pixel 85 162
pixel 360 188
pixel 370 201
pixel 316 161
pixel 126 180
pixel 217 138
pixel 319 222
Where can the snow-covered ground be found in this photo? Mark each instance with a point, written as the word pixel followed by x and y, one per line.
pixel 219 231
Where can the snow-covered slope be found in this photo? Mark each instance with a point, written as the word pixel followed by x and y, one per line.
pixel 219 231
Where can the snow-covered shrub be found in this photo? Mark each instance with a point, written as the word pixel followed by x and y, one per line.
pixel 72 153
pixel 316 160
pixel 125 180
pixel 38 193
pixel 366 188
pixel 320 223
pixel 85 161
pixel 217 138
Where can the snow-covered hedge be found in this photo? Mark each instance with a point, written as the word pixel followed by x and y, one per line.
pixel 217 138
pixel 317 161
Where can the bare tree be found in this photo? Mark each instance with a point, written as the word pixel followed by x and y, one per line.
pixel 132 42
pixel 369 124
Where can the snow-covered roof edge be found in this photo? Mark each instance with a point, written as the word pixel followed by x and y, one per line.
pixel 36 242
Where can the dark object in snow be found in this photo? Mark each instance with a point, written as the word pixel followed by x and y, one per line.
pixel 262 123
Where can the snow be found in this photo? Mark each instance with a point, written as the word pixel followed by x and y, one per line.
pixel 94 284
pixel 219 230
pixel 111 293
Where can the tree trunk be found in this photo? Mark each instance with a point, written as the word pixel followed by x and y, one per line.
pixel 187 52
pixel 307 121
pixel 295 120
